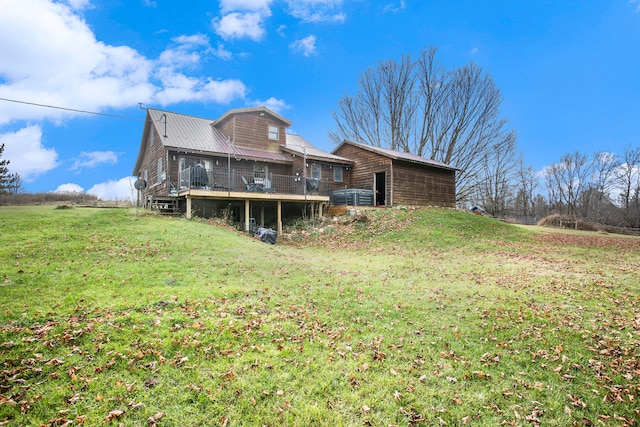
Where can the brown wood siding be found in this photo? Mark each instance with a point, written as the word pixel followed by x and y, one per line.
pixel 366 165
pixel 150 163
pixel 413 184
pixel 251 130
pixel 423 185
pixel 326 172
pixel 173 169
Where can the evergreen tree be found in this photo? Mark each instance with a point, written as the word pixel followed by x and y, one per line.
pixel 5 176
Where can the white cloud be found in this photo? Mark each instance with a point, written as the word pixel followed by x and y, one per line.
pixel 236 5
pixel 222 53
pixel 187 51
pixel 395 8
pixel 238 25
pixel 121 189
pixel 80 4
pixel 95 158
pixel 474 51
pixel 69 188
pixel 307 45
pixel 178 87
pixel 61 63
pixel 273 104
pixel 317 10
pixel 26 154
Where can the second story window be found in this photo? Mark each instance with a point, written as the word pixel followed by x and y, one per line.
pixel 274 133
pixel 316 170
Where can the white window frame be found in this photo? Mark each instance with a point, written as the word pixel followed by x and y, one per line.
pixel 260 171
pixel 160 170
pixel 274 133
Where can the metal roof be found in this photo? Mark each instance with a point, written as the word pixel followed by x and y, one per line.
pixel 195 134
pixel 398 155
pixel 298 145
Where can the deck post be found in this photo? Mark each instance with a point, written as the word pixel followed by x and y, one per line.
pixel 188 207
pixel 279 218
pixel 246 215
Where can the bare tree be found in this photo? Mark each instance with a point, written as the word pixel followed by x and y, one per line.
pixel 496 190
pixel 553 179
pixel 628 177
pixel 566 182
pixel 386 94
pixel 602 181
pixel 419 107
pixel 526 182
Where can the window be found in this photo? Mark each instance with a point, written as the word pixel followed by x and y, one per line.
pixel 199 175
pixel 337 173
pixel 160 171
pixel 187 162
pixel 151 135
pixel 274 133
pixel 260 171
pixel 316 170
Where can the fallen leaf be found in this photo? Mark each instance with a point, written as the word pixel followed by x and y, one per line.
pixel 115 414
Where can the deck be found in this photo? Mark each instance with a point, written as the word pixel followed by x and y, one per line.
pixel 221 184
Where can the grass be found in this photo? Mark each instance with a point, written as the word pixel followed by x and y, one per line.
pixel 410 317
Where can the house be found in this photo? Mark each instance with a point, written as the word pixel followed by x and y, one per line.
pixel 399 178
pixel 245 167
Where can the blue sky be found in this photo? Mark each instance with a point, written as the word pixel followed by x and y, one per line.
pixel 568 70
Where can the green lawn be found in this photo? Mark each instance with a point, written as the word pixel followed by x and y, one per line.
pixel 407 317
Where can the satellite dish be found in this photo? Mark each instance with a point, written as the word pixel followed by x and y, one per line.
pixel 140 184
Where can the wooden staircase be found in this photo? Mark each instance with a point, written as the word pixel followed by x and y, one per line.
pixel 166 205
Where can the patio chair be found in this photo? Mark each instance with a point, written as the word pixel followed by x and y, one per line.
pixel 266 185
pixel 251 187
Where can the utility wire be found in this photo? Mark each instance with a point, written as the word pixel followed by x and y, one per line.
pixel 71 109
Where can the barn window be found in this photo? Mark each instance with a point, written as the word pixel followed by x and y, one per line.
pixel 274 133
pixel 337 173
pixel 160 170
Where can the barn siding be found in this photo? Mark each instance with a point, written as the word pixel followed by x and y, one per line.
pixel 407 183
pixel 423 185
pixel 366 165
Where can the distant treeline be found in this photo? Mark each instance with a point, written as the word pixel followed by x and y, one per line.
pixel 49 198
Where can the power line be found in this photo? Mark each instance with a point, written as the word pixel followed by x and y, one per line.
pixel 71 109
